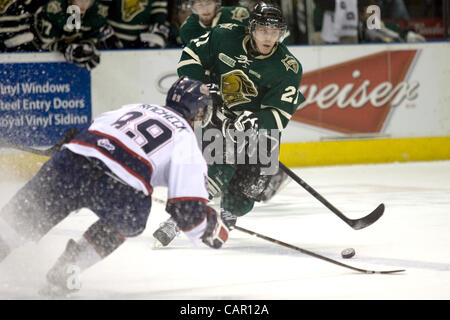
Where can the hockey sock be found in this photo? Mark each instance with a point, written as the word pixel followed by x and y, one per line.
pixel 103 238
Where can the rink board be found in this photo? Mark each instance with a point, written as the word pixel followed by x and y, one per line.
pixel 364 103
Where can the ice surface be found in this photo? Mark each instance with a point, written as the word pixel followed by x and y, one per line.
pixel 413 234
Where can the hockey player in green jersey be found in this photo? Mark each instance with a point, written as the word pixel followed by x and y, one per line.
pixel 259 81
pixel 208 14
pixel 16 16
pixel 72 27
pixel 140 23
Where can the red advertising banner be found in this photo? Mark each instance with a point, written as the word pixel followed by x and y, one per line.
pixel 356 96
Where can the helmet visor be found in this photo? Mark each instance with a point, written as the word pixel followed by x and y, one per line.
pixel 262 32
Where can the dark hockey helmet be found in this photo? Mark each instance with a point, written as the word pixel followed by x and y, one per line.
pixel 267 15
pixel 192 99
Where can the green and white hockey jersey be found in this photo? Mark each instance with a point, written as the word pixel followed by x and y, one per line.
pixel 192 28
pixel 129 18
pixel 55 28
pixel 266 85
pixel 16 18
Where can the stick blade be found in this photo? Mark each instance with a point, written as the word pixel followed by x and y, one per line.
pixel 366 221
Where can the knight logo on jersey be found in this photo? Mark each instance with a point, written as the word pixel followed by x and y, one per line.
pixel 131 8
pixel 240 14
pixel 357 96
pixel 4 5
pixel 235 87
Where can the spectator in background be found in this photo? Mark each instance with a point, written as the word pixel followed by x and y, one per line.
pixel 207 14
pixel 140 24
pixel 387 32
pixel 393 9
pixel 249 4
pixel 179 16
pixel 56 30
pixel 339 21
pixel 16 17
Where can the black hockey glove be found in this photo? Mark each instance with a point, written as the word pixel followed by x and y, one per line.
pixel 156 37
pixel 108 39
pixel 216 233
pixel 83 54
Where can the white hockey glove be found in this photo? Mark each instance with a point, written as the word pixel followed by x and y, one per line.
pixel 83 54
pixel 246 122
pixel 156 37
pixel 216 233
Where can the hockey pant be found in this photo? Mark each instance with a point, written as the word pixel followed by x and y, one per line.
pixel 219 177
pixel 68 182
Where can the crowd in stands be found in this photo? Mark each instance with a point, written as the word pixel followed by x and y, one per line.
pixel 80 28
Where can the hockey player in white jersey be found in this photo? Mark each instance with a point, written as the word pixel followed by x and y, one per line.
pixel 111 168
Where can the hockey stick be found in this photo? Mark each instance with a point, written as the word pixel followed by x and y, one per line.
pixel 307 252
pixel 315 255
pixel 68 135
pixel 354 223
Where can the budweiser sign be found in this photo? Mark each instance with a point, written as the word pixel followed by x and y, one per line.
pixel 356 96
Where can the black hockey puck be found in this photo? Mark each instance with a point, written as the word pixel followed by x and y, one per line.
pixel 348 253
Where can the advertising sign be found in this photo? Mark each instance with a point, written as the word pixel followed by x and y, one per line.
pixel 40 101
pixel 357 95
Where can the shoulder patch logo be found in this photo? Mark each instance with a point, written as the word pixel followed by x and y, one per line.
pixel 106 144
pixel 290 63
pixel 54 7
pixel 103 10
pixel 240 14
pixel 4 5
pixel 236 86
pixel 131 8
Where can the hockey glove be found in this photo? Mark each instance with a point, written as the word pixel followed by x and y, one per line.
pixel 247 122
pixel 83 54
pixel 229 218
pixel 216 233
pixel 156 37
pixel 108 40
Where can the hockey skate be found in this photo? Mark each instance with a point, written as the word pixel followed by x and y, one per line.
pixel 166 232
pixel 63 279
pixel 278 180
